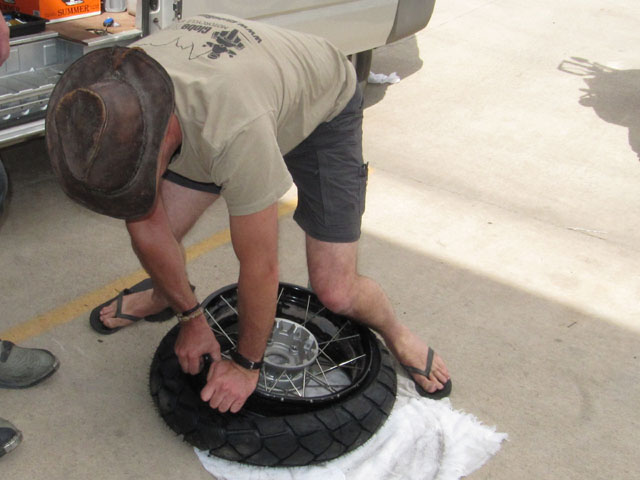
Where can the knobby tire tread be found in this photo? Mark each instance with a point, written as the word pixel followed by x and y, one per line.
pixel 288 440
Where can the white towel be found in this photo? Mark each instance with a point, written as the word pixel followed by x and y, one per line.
pixel 382 78
pixel 421 440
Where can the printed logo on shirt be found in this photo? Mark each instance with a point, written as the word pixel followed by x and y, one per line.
pixel 225 41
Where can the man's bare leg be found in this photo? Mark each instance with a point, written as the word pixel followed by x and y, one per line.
pixel 184 207
pixel 334 278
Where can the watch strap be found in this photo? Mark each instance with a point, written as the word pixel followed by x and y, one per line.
pixel 244 362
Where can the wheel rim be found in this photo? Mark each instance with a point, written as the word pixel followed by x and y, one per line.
pixel 313 355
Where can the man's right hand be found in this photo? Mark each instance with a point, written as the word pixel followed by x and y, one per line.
pixel 195 340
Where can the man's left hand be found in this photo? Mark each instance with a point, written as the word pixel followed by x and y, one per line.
pixel 228 386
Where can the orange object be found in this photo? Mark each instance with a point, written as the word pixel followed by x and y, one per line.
pixel 53 10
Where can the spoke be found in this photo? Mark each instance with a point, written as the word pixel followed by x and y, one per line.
pixel 357 335
pixel 322 371
pixel 280 296
pixel 275 382
pixel 331 360
pixel 293 385
pixel 333 338
pixel 345 363
pixel 229 305
pixel 304 382
pixel 307 309
pixel 323 383
pixel 313 316
pixel 221 332
pixel 306 313
pixel 221 329
pixel 334 364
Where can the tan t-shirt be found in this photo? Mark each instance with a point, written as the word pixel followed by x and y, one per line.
pixel 246 94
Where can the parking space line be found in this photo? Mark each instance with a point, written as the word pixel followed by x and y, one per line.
pixel 75 308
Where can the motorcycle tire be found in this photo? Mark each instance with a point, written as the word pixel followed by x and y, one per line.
pixel 329 403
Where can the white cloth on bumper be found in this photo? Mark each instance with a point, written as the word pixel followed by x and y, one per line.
pixel 421 440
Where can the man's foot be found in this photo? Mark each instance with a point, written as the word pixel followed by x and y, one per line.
pixel 136 304
pixel 24 367
pixel 139 302
pixel 10 437
pixel 414 353
pixel 437 394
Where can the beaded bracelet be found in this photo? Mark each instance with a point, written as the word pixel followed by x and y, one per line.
pixel 190 314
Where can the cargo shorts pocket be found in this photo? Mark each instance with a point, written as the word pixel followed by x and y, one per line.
pixel 343 194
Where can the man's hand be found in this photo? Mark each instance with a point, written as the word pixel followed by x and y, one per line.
pixel 228 386
pixel 195 340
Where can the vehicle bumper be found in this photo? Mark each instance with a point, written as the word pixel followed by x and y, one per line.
pixel 411 17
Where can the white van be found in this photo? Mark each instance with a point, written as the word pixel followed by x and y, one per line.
pixel 37 60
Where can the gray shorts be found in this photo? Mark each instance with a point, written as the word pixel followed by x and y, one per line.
pixel 330 175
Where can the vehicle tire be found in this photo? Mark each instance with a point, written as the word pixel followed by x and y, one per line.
pixel 362 63
pixel 281 425
pixel 4 186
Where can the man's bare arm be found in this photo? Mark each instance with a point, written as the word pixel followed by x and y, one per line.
pixel 255 241
pixel 161 256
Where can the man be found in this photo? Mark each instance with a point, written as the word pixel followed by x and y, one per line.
pixel 219 106
pixel 19 367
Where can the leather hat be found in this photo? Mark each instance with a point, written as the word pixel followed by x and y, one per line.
pixel 106 120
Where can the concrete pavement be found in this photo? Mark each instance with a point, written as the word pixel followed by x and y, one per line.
pixel 501 220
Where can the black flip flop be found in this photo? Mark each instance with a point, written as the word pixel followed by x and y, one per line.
pixel 146 284
pixel 438 394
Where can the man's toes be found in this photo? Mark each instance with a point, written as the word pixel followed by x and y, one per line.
pixel 435 384
pixel 440 376
pixel 110 321
pixel 106 318
pixel 430 384
pixel 440 370
pixel 107 321
pixel 108 311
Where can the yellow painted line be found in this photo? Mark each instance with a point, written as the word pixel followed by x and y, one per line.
pixel 75 308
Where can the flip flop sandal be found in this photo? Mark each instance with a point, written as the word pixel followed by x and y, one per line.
pixel 146 284
pixel 438 394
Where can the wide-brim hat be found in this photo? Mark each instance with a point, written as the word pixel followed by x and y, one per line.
pixel 106 120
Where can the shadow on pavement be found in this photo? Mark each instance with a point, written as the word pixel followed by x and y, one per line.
pixel 402 57
pixel 613 94
pixel 557 380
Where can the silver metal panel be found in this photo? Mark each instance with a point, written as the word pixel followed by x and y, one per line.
pixel 28 78
pixel 20 133
pixel 351 25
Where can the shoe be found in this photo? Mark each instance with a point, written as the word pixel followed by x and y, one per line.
pixel 24 367
pixel 146 284
pixel 445 391
pixel 10 437
pixel 4 185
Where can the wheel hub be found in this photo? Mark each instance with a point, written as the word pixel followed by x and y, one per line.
pixel 291 347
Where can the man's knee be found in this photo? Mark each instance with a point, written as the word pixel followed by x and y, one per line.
pixel 335 295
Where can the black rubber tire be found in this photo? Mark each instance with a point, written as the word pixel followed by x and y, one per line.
pixel 265 436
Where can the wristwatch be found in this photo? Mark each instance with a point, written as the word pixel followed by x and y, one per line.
pixel 244 362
